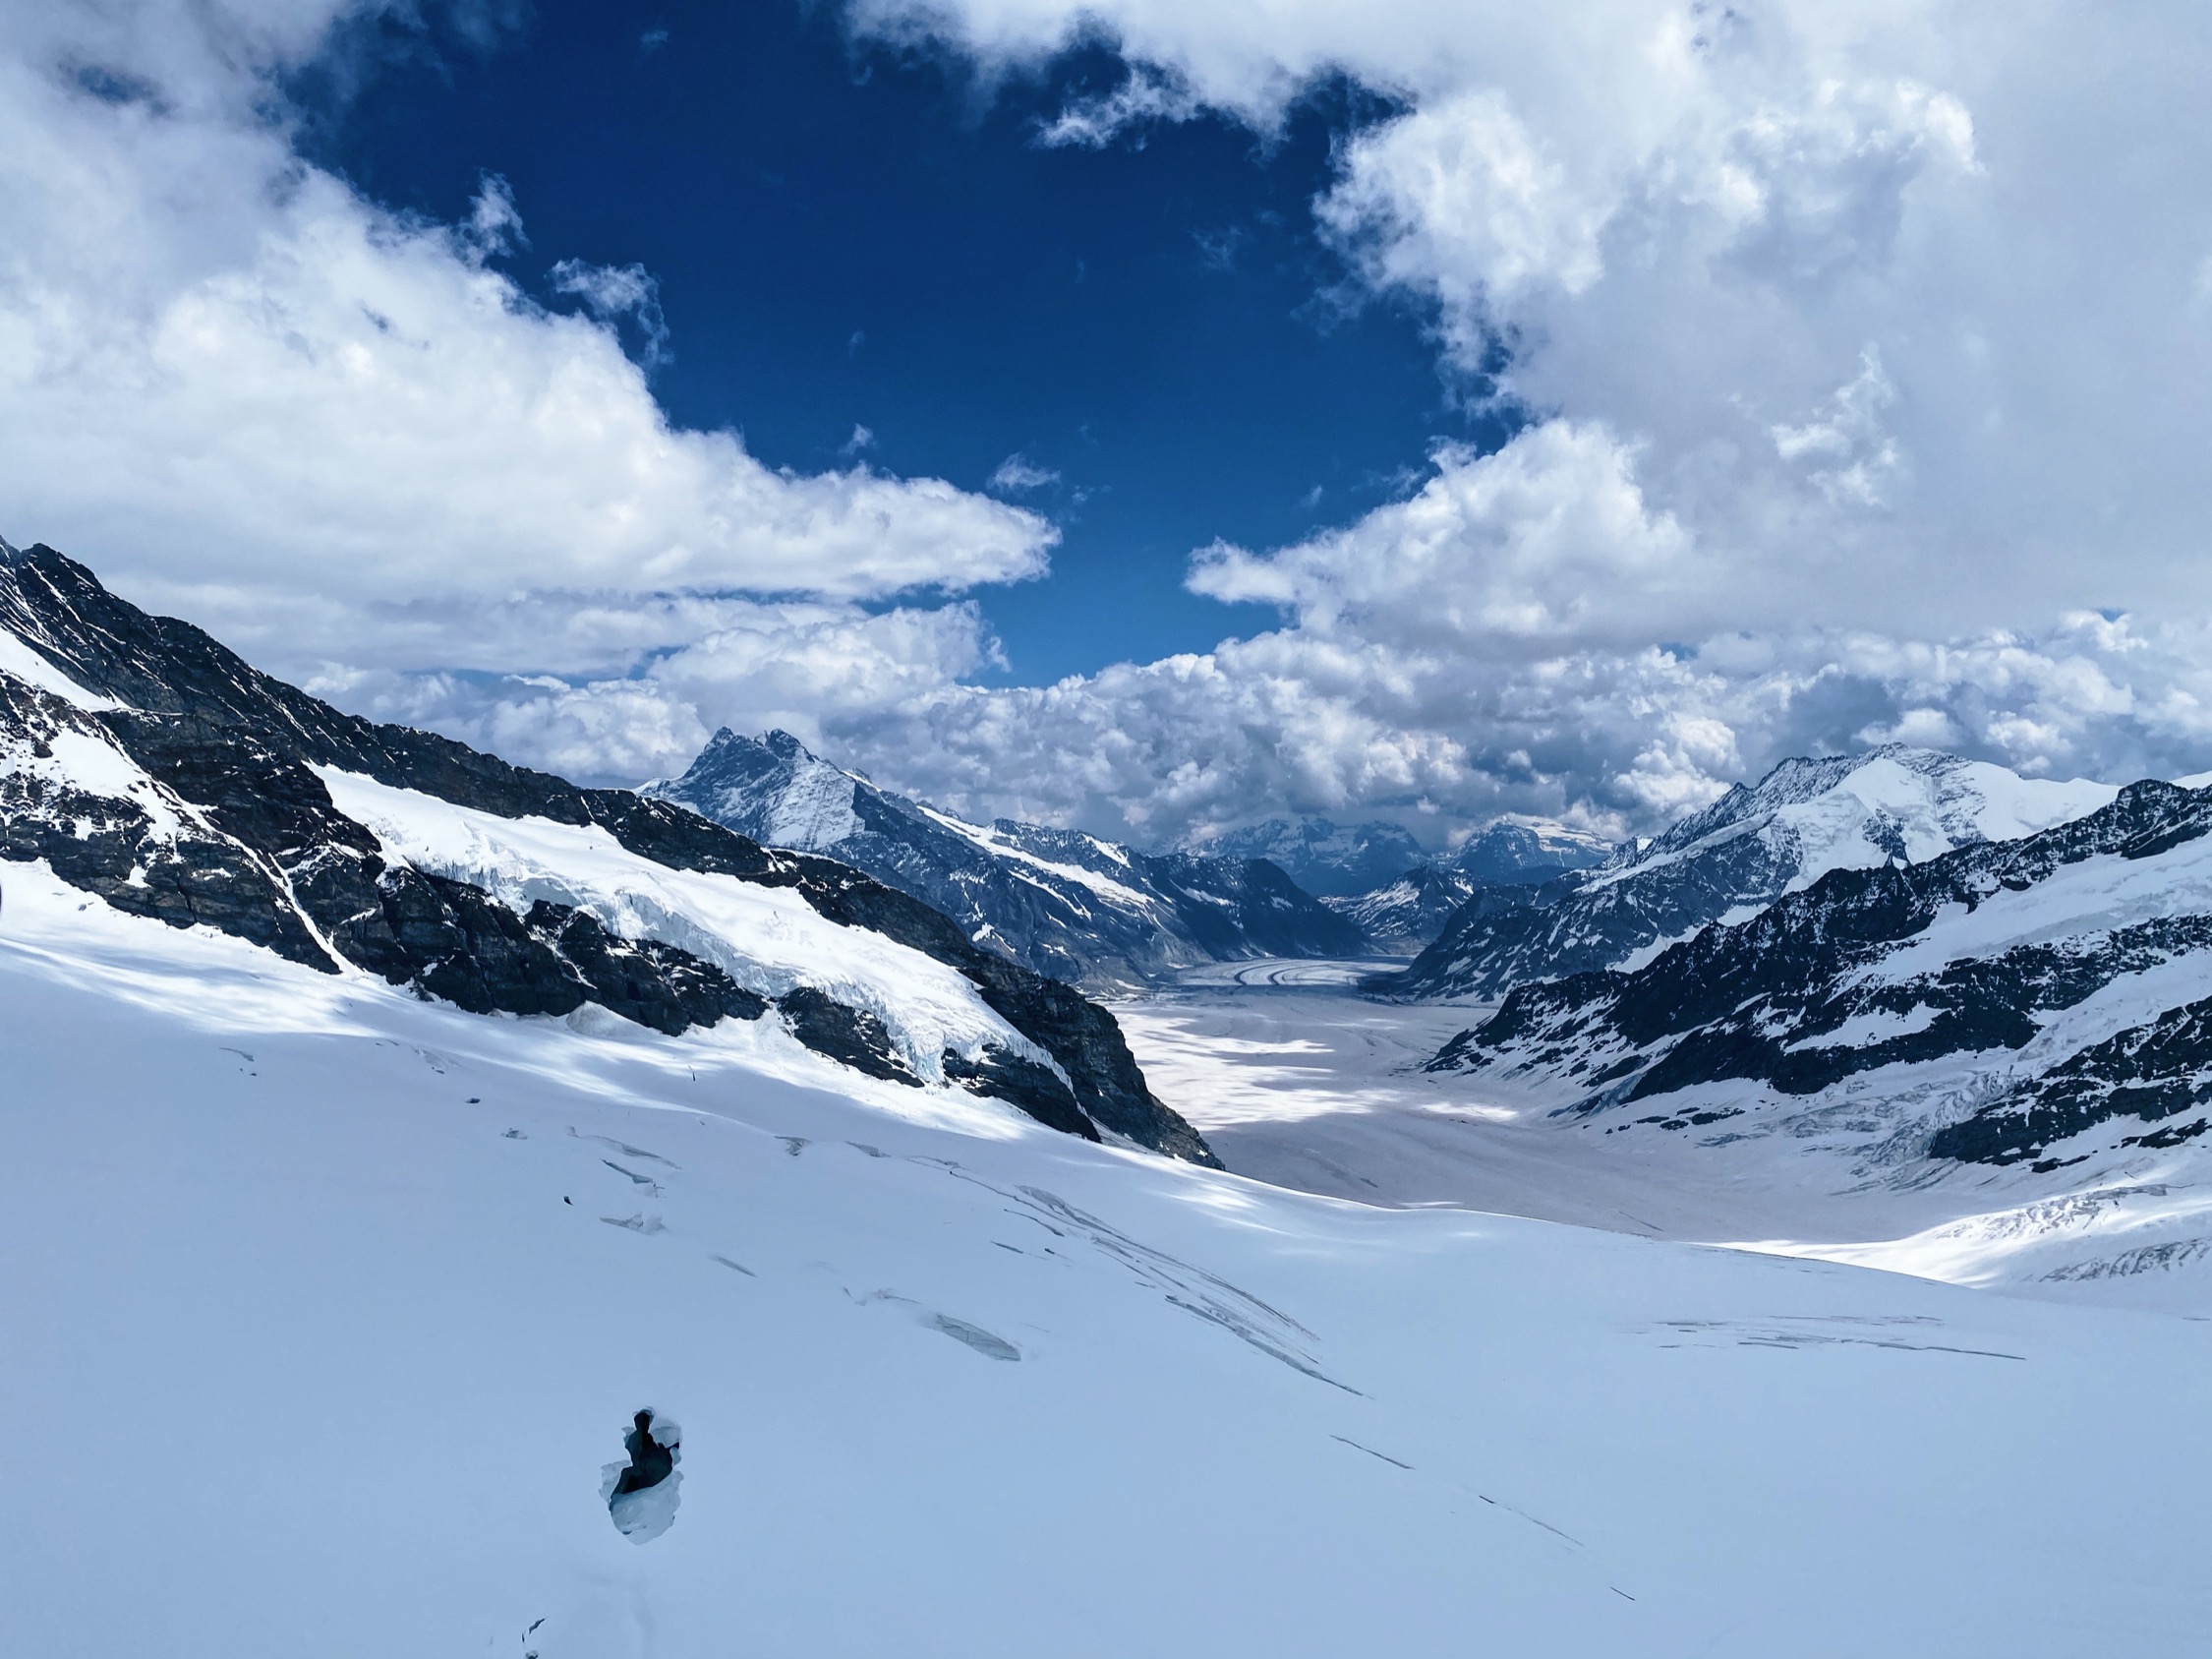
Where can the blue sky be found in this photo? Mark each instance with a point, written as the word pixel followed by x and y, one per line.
pixel 847 235
pixel 1860 374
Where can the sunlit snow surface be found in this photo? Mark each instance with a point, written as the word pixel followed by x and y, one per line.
pixel 1296 1081
pixel 324 1308
pixel 768 939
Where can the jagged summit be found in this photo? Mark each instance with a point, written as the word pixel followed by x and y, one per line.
pixel 1726 863
pixel 1064 902
pixel 143 762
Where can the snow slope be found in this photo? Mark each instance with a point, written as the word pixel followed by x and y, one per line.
pixel 768 939
pixel 1336 861
pixel 328 1305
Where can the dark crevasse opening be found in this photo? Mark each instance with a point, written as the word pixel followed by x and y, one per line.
pixel 641 1493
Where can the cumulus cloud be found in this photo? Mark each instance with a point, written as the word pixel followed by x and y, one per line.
pixel 1860 350
pixel 341 434
pixel 1864 351
pixel 1617 742
pixel 1806 257
pixel 1549 541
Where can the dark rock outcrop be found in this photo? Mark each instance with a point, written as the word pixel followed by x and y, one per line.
pixel 258 849
pixel 1791 1000
pixel 1742 853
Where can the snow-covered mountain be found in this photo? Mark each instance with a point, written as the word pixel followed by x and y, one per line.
pixel 1325 859
pixel 1724 864
pixel 385 1130
pixel 1065 903
pixel 1406 915
pixel 1403 916
pixel 328 1307
pixel 2032 1015
pixel 149 767
pixel 1524 854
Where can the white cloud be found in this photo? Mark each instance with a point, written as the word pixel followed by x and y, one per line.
pixel 1695 223
pixel 1548 541
pixel 1147 95
pixel 1018 473
pixel 340 434
pixel 1863 338
pixel 611 292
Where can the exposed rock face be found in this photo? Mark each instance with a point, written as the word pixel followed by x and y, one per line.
pixel 1063 903
pixel 163 773
pixel 1331 860
pixel 1406 915
pixel 1527 855
pixel 1723 864
pixel 2029 1001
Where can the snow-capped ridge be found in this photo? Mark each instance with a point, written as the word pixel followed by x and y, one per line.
pixel 173 781
pixel 2055 986
pixel 1062 902
pixel 1726 863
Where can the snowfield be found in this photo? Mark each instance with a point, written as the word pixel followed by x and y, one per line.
pixel 768 939
pixel 328 1307
pixel 1297 1083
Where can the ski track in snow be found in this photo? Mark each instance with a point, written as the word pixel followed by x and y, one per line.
pixel 324 1355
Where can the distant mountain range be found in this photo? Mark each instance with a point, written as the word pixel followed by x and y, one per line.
pixel 1407 914
pixel 1065 903
pixel 1728 863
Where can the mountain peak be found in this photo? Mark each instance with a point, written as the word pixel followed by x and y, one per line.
pixel 1062 902
pixel 1807 816
pixel 1324 858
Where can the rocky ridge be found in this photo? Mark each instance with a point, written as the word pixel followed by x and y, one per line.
pixel 1727 863
pixel 150 766
pixel 2045 1001
pixel 1406 915
pixel 1067 904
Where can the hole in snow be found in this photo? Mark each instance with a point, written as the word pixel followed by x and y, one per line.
pixel 641 1495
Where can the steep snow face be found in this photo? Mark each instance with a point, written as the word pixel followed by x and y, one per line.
pixel 2031 1018
pixel 1058 901
pixel 328 1307
pixel 1405 916
pixel 29 668
pixel 1892 803
pixel 1408 914
pixel 771 788
pixel 1005 839
pixel 1723 865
